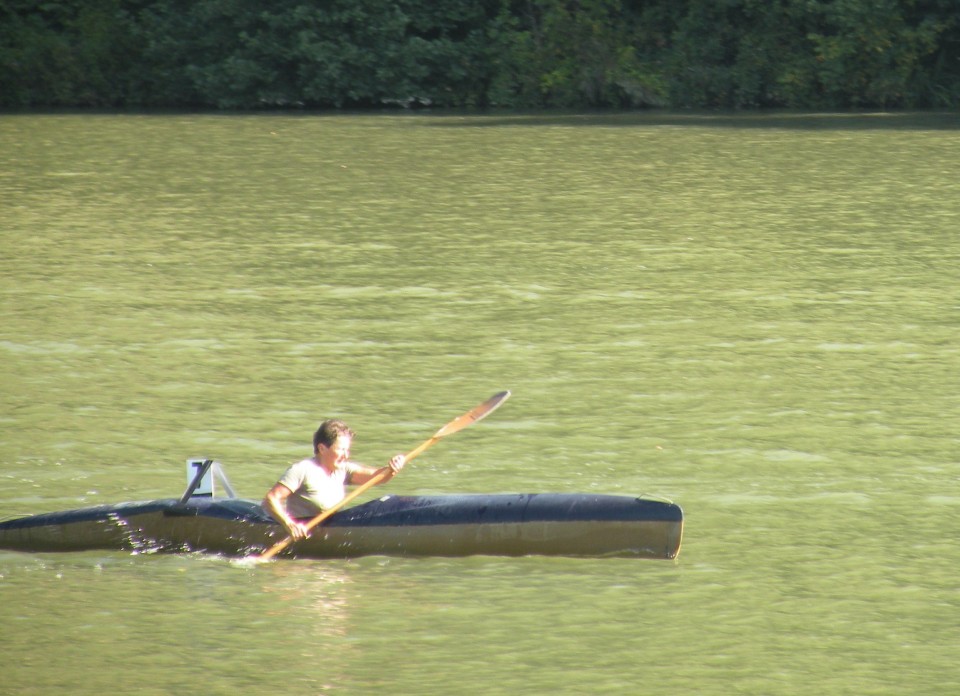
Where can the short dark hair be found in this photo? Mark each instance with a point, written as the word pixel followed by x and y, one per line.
pixel 329 431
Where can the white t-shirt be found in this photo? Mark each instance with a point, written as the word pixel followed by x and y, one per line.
pixel 313 489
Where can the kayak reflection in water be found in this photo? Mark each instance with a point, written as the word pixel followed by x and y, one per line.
pixel 316 484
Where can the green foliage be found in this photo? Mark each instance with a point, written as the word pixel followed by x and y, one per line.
pixel 870 55
pixel 244 54
pixel 553 53
pixel 63 53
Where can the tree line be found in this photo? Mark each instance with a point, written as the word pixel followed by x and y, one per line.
pixel 520 54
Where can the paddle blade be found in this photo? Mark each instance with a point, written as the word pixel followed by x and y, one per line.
pixel 473 415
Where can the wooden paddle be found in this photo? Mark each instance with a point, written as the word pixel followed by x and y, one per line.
pixel 456 425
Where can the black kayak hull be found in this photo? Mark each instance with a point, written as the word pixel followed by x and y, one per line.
pixel 444 525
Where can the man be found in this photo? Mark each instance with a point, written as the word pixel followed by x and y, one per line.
pixel 316 484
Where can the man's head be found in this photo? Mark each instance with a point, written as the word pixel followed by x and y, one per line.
pixel 335 436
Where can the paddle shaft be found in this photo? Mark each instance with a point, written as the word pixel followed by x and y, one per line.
pixel 457 424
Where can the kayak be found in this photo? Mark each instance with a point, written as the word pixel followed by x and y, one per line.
pixel 552 524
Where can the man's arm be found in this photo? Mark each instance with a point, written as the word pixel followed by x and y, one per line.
pixel 360 474
pixel 275 501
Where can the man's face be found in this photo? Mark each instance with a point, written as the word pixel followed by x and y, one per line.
pixel 336 454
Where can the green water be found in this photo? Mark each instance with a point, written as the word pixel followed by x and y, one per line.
pixel 757 317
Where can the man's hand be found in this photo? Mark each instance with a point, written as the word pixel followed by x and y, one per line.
pixel 397 462
pixel 297 531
